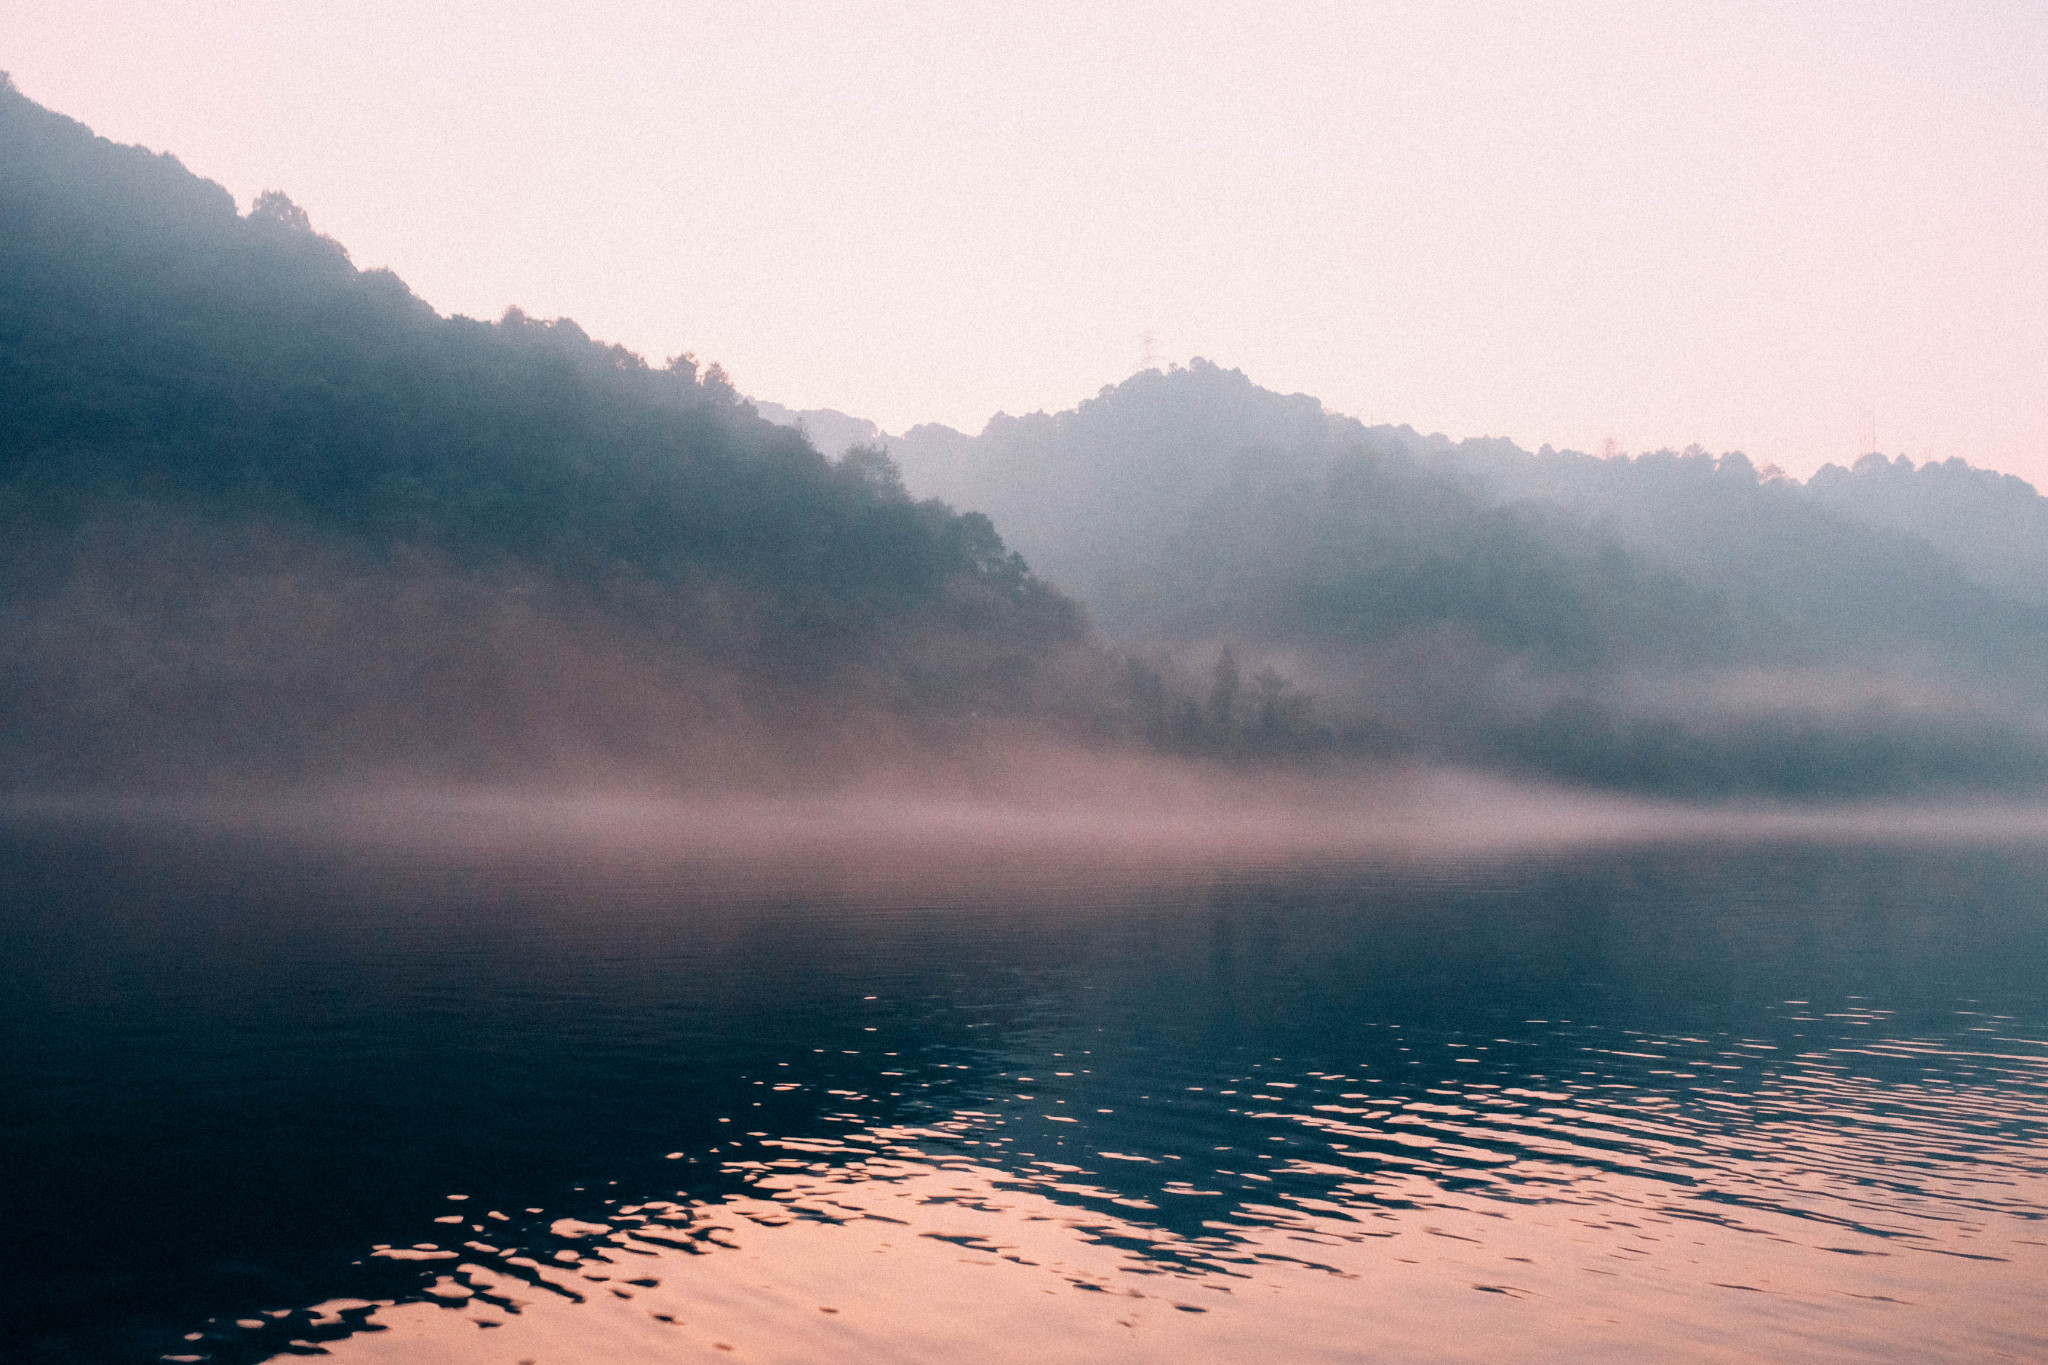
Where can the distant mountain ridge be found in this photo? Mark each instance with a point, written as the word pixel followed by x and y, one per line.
pixel 1993 525
pixel 1676 619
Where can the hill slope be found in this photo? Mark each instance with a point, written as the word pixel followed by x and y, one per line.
pixel 1681 621
pixel 228 449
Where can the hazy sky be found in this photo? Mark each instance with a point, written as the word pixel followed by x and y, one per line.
pixel 1769 226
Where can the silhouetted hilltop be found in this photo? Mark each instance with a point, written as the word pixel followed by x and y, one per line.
pixel 207 418
pixel 1677 619
pixel 829 429
pixel 1194 501
pixel 1994 526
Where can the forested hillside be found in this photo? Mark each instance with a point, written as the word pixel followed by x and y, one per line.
pixel 1194 501
pixel 257 502
pixel 1678 620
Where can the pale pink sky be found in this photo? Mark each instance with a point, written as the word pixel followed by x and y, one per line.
pixel 1754 225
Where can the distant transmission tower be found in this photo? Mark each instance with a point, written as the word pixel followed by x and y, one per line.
pixel 1147 358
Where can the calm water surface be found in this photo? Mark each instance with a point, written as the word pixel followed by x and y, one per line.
pixel 265 1098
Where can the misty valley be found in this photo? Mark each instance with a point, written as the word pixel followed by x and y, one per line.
pixel 515 853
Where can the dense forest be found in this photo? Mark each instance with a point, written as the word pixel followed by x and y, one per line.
pixel 267 515
pixel 265 511
pixel 1674 620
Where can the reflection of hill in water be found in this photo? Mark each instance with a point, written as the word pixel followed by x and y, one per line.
pixel 1763 1103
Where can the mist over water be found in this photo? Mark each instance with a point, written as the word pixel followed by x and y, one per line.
pixel 590 1095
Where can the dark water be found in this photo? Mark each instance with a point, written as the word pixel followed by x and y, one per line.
pixel 1710 1103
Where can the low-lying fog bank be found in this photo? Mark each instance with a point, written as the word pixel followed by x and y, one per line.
pixel 164 651
pixel 1041 822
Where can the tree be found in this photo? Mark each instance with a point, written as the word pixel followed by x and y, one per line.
pixel 275 206
pixel 1224 686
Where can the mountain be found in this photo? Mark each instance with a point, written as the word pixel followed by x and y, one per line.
pixel 1676 619
pixel 1193 501
pixel 829 429
pixel 264 510
pixel 1993 526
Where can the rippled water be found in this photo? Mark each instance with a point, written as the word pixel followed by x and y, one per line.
pixel 1729 1103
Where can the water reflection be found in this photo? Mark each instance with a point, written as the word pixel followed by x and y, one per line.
pixel 1794 1208
pixel 1708 1104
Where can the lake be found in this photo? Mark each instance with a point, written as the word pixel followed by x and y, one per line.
pixel 556 1100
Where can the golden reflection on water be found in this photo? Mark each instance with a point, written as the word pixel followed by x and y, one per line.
pixel 879 1248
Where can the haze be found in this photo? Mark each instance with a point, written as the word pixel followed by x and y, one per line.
pixel 1800 230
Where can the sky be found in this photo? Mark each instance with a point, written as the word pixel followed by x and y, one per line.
pixel 1800 229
